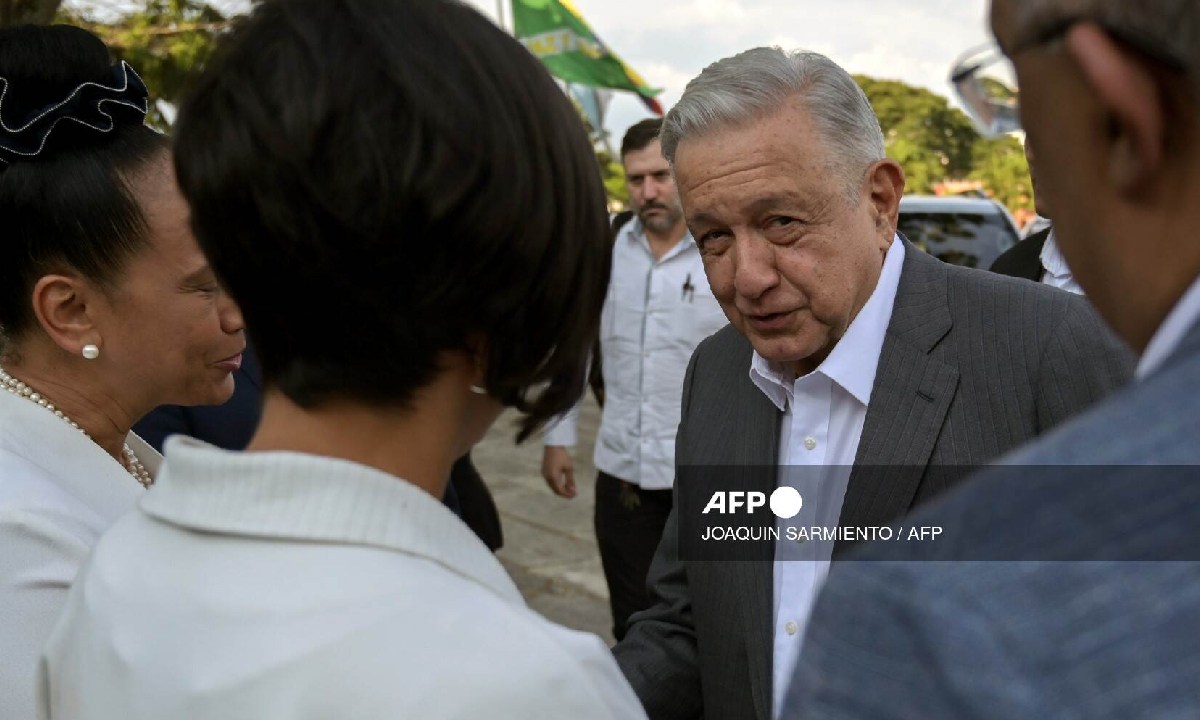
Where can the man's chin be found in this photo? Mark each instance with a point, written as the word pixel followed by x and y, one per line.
pixel 771 349
pixel 657 221
pixel 786 353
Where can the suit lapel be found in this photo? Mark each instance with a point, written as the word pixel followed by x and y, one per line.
pixel 909 401
pixel 1030 266
pixel 1188 347
pixel 758 455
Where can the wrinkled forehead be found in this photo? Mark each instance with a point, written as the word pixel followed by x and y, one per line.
pixel 645 160
pixel 782 150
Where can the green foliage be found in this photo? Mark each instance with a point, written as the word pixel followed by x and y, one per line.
pixel 611 169
pixel 1000 165
pixel 930 139
pixel 166 41
pixel 936 143
pixel 613 173
pixel 20 12
pixel 996 89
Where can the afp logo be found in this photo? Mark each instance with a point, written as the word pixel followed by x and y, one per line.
pixel 785 502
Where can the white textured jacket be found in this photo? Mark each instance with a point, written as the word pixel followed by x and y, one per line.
pixel 279 585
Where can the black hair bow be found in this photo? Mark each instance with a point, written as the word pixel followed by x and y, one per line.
pixel 98 106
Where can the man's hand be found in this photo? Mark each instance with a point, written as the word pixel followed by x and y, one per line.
pixel 559 470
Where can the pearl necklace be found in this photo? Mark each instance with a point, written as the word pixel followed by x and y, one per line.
pixel 132 465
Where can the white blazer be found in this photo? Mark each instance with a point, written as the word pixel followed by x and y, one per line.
pixel 58 492
pixel 280 586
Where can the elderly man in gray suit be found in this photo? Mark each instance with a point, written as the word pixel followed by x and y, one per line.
pixel 848 348
pixel 1110 98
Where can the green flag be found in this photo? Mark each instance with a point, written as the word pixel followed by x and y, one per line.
pixel 556 33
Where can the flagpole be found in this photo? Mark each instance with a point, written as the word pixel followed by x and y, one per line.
pixel 604 138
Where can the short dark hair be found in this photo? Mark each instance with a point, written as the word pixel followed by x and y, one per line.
pixel 377 182
pixel 640 134
pixel 69 207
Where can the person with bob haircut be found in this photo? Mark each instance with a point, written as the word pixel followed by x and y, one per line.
pixel 107 309
pixel 409 213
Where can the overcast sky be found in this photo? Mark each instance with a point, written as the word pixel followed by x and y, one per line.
pixel 670 41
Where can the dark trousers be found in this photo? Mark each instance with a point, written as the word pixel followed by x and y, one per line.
pixel 629 525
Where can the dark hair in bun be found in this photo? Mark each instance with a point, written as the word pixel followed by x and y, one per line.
pixel 71 136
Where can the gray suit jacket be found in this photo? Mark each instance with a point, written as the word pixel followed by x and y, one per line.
pixel 990 637
pixel 973 364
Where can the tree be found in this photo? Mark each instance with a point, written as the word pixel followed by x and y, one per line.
pixel 611 170
pixel 1000 165
pixel 613 173
pixel 21 12
pixel 930 139
pixel 166 41
pixel 936 143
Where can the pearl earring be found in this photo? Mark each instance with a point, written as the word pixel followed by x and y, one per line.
pixel 91 352
pixel 477 390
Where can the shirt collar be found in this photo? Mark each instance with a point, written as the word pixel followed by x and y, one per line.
pixel 854 360
pixel 1171 332
pixel 1052 258
pixel 635 233
pixel 314 498
pixel 771 380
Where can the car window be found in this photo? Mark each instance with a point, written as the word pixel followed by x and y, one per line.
pixel 968 239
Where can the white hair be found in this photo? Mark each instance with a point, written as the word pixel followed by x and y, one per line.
pixel 758 82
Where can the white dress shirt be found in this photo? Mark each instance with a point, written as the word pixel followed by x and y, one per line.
pixel 58 492
pixel 823 416
pixel 1055 271
pixel 655 314
pixel 1167 337
pixel 278 586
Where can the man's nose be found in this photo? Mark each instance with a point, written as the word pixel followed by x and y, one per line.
pixel 754 267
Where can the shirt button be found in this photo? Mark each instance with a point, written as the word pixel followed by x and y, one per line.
pixel 810 443
pixel 791 627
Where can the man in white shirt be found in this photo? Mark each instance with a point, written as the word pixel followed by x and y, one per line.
pixel 659 307
pixel 1089 604
pixel 857 372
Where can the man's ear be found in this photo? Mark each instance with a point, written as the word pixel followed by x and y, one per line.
pixel 885 184
pixel 64 306
pixel 1129 93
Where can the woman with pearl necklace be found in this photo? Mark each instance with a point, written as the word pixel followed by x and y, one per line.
pixel 107 309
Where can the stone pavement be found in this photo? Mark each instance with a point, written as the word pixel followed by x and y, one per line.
pixel 549 544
